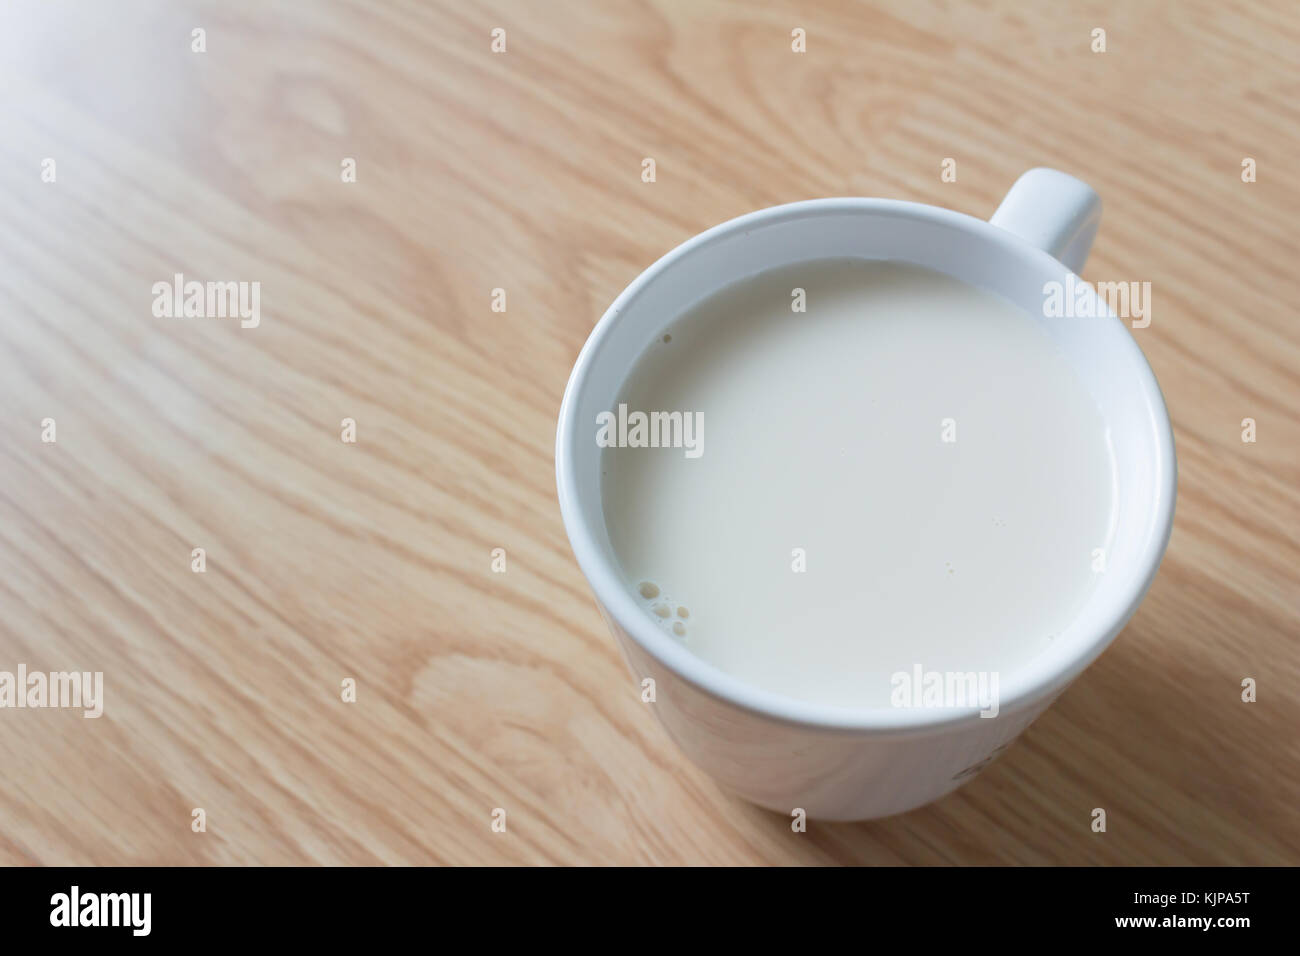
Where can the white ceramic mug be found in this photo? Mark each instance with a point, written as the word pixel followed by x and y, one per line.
pixel 783 753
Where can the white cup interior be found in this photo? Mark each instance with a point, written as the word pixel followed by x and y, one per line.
pixel 1102 351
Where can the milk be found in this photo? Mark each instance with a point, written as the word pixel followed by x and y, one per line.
pixel 905 477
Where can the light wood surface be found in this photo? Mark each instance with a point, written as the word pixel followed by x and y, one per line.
pixel 522 171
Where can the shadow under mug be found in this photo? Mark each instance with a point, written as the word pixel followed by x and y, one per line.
pixel 851 764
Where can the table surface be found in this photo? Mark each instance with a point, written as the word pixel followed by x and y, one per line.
pixel 372 561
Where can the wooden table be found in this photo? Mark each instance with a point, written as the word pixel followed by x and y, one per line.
pixel 371 560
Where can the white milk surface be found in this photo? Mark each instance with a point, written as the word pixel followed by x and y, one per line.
pixel 823 448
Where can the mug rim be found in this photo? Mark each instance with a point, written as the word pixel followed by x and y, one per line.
pixel 1029 684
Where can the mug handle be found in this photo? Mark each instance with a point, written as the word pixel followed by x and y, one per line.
pixel 1054 211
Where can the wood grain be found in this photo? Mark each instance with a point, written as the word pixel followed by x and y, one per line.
pixel 521 171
